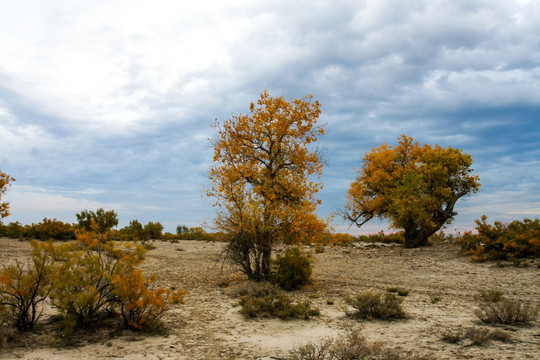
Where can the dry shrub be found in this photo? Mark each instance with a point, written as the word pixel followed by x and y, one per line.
pixel 506 311
pixel 253 288
pixel 399 291
pixel 491 296
pixel 478 336
pixel 349 347
pixel 383 306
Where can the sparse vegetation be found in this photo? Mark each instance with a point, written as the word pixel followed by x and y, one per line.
pixel 506 311
pixel 399 291
pixel 477 336
pixel 495 308
pixel 279 306
pixel 372 305
pixel 262 299
pixel 352 346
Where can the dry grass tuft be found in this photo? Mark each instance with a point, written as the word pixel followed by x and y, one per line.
pixel 383 306
pixel 352 346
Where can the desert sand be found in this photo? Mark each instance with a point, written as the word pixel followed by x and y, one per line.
pixel 442 288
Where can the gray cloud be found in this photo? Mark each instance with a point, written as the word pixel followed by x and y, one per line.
pixel 112 103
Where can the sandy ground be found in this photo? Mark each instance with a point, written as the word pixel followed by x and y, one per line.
pixel 442 288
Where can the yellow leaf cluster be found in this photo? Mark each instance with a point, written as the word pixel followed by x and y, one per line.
pixel 5 180
pixel 264 168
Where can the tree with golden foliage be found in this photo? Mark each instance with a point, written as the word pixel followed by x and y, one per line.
pixel 5 179
pixel 262 178
pixel 413 186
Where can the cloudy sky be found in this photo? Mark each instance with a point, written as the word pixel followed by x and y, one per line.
pixel 110 103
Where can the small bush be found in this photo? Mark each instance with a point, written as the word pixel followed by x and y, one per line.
pixel 371 305
pixel 491 296
pixel 351 346
pixel 141 303
pixel 477 336
pixel 23 289
pixel 83 286
pixel 506 311
pixel 392 238
pixel 254 289
pixel 279 306
pixel 292 270
pixel 399 291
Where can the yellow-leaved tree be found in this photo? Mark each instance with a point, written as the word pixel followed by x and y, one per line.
pixel 264 179
pixel 5 179
pixel 413 186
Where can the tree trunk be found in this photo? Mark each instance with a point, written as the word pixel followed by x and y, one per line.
pixel 415 238
pixel 266 262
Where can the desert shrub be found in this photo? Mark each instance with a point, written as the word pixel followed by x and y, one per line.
pixel 292 270
pixel 506 311
pixel 518 239
pixel 370 305
pixel 349 347
pixel 51 229
pixel 86 269
pixel 254 289
pixel 478 336
pixel 141 303
pixel 340 239
pixel 399 291
pixel 279 306
pixel 491 296
pixel 23 289
pixel 397 237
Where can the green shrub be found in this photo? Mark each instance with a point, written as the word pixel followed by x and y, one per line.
pixel 14 230
pixel 499 241
pixel 192 233
pixel 398 238
pixel 100 221
pixel 292 270
pixel 369 305
pixel 153 230
pixel 280 306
